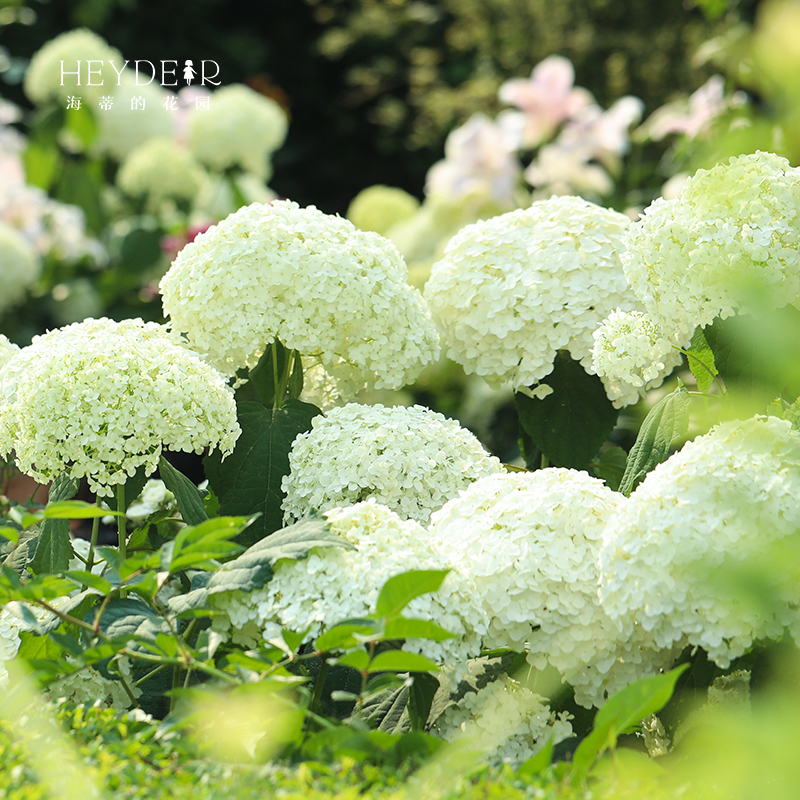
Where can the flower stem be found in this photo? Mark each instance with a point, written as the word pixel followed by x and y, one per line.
pixel 122 520
pixel 93 540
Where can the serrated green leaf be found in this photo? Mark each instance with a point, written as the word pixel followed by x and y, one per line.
pixel 17 557
pixel 401 589
pixel 253 568
pixel 358 659
pixel 54 546
pixel 420 699
pixel 75 509
pixel 127 618
pixel 33 646
pixel 401 661
pixel 90 579
pixel 248 481
pixel 621 712
pixel 262 375
pixel 402 628
pixel 11 534
pixel 340 637
pixel 701 360
pixel 187 495
pixel 387 711
pixel 195 545
pixel 665 425
pixel 569 425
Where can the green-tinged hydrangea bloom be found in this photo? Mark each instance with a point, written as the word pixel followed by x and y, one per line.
pixel 101 398
pixel 7 350
pixel 241 128
pixel 673 555
pixel 412 460
pixel 315 282
pixel 378 208
pixel 44 81
pixel 20 266
pixel 513 290
pixel 160 169
pixel 731 229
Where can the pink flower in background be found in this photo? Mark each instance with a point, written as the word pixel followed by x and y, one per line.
pixel 690 116
pixel 172 244
pixel 560 170
pixel 479 160
pixel 187 105
pixel 547 98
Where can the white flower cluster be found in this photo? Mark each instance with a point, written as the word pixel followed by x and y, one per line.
pixel 631 350
pixel 513 290
pixel 7 350
pixel 504 720
pixel 21 266
pixel 10 627
pixel 137 113
pixel 723 501
pixel 241 128
pixel 89 687
pixel 731 229
pixel 313 281
pixel 160 169
pixel 45 81
pixel 153 497
pixel 101 398
pixel 412 460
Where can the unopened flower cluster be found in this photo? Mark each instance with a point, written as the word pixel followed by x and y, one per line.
pixel 410 459
pixel 513 290
pixel 336 294
pixel 241 128
pixel 160 169
pixel 379 208
pixel 504 720
pixel 21 266
pixel 102 398
pixel 732 229
pixel 720 504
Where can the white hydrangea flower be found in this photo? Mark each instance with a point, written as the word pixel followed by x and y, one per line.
pixel 333 584
pixel 89 687
pixel 513 290
pixel 526 548
pixel 153 497
pixel 44 81
pixel 504 720
pixel 726 497
pixel 240 128
pixel 21 266
pixel 160 169
pixel 631 350
pixel 731 228
pixel 101 398
pixel 10 628
pixel 7 350
pixel 412 460
pixel 137 113
pixel 336 294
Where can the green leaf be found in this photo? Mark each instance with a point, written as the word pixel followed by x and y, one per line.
pixel 18 556
pixel 141 249
pixel 33 646
pixel 187 495
pixel 538 763
pixel 420 698
pixel 194 546
pixel 358 659
pixel 77 186
pixel 41 164
pixel 623 711
pixel 133 488
pixel 262 376
pixel 665 425
pixel 80 122
pixel 341 636
pixel 127 618
pixel 75 509
pixel 90 579
pixel 611 467
pixel 401 661
pixel 701 360
pixel 569 425
pixel 54 547
pixel 253 568
pixel 402 628
pixel 11 534
pixel 387 711
pixel 249 480
pixel 401 589
pixel 295 388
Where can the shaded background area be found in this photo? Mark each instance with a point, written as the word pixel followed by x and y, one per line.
pixel 374 87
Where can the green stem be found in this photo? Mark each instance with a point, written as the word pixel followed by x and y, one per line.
pixel 93 540
pixel 545 461
pixel 316 698
pixel 151 674
pixel 122 520
pixel 277 401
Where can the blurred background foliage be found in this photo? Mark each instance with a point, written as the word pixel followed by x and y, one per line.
pixel 374 86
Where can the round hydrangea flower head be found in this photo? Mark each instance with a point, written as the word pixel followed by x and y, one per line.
pixel 412 460
pixel 21 266
pixel 513 290
pixel 504 720
pixel 136 114
pixel 101 398
pixel 333 584
pixel 378 208
pixel 311 280
pixel 241 128
pixel 630 350
pixel 45 81
pixel 7 350
pixel 731 228
pixel 726 497
pixel 160 169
